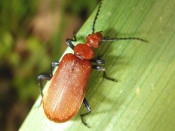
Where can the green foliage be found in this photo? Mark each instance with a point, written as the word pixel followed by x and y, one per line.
pixel 14 52
pixel 15 13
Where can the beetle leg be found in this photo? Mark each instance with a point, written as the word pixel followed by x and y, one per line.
pixel 69 41
pixel 108 78
pixel 98 61
pixel 40 78
pixel 54 64
pixel 101 68
pixel 89 111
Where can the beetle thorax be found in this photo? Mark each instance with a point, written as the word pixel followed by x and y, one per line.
pixel 84 51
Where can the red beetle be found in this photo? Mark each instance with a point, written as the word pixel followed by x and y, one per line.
pixel 67 88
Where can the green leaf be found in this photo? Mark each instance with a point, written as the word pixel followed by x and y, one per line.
pixel 143 98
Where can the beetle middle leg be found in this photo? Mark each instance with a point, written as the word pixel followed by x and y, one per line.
pixel 89 111
pixel 98 67
pixel 47 77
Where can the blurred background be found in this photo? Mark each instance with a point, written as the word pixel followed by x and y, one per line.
pixel 32 35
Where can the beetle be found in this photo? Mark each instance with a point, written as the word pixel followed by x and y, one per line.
pixel 67 88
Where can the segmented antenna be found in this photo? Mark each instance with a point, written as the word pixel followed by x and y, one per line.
pixel 129 38
pixel 93 27
pixel 112 39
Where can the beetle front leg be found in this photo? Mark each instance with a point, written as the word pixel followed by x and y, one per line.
pixel 69 41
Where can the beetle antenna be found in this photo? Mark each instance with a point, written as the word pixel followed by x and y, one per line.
pixel 129 38
pixel 93 27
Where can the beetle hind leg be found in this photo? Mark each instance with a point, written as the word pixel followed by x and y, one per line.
pixel 89 111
